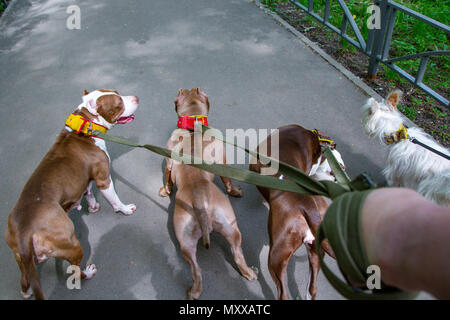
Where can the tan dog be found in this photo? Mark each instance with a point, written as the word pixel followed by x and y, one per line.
pixel 200 207
pixel 38 225
pixel 295 218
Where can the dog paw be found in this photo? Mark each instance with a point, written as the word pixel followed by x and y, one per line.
pixel 164 191
pixel 90 271
pixel 94 208
pixel 193 295
pixel 309 296
pixel 235 191
pixel 28 294
pixel 127 209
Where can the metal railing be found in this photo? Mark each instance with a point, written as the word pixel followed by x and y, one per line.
pixel 379 40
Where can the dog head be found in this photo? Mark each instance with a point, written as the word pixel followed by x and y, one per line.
pixel 191 102
pixel 108 107
pixel 380 118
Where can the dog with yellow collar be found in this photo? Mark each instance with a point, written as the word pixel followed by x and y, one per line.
pixel 408 165
pixel 38 225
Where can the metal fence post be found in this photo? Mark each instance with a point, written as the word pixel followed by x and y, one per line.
pixel 378 42
pixel 377 47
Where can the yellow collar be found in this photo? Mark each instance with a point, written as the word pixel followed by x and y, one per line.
pixel 82 125
pixel 396 136
pixel 323 139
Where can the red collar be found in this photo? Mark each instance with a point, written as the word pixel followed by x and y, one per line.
pixel 187 122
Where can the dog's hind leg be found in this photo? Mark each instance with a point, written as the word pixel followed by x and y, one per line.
pixel 224 222
pixel 24 283
pixel 314 268
pixel 286 236
pixel 232 234
pixel 189 252
pixel 188 233
pixel 64 245
pixel 26 292
pixel 73 253
pixel 280 254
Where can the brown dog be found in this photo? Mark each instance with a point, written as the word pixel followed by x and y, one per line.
pixel 294 218
pixel 200 207
pixel 38 225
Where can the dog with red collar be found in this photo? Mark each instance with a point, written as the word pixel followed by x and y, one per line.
pixel 200 207
pixel 38 225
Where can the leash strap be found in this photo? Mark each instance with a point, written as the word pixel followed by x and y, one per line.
pixel 341 225
pixel 414 140
pixel 216 168
pixel 323 188
pixel 339 173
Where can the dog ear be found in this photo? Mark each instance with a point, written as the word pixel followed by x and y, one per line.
pixel 85 93
pixel 178 98
pixel 92 107
pixel 205 97
pixel 393 99
pixel 200 92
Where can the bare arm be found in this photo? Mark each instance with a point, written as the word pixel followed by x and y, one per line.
pixel 408 237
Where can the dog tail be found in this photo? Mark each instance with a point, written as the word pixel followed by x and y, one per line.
pixel 199 206
pixel 27 258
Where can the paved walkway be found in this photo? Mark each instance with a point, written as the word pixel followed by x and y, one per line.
pixel 257 74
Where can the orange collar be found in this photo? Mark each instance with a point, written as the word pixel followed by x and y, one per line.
pixel 188 122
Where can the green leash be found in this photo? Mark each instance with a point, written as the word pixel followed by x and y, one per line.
pixel 341 224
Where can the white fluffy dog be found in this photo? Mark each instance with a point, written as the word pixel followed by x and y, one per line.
pixel 408 165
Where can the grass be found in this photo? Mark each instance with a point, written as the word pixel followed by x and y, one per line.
pixel 3 6
pixel 410 35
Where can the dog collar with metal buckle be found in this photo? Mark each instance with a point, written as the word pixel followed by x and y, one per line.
pixel 82 125
pixel 397 136
pixel 188 122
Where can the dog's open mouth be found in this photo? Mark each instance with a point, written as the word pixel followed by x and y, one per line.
pixel 128 119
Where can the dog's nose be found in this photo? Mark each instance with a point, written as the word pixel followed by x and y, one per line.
pixel 135 99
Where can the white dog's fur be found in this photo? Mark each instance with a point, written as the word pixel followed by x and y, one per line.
pixel 322 170
pixel 408 165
